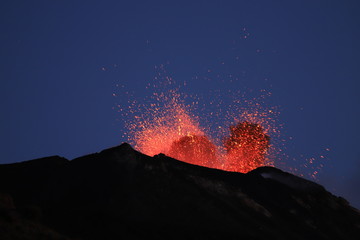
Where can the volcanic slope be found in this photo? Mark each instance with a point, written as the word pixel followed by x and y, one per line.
pixel 121 193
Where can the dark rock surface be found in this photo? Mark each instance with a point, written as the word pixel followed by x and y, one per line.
pixel 120 193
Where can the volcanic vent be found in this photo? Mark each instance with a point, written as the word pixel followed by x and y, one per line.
pixel 166 124
pixel 246 147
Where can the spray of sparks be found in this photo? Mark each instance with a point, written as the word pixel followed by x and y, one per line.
pixel 166 124
pixel 162 124
pixel 237 136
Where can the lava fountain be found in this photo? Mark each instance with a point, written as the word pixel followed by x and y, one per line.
pixel 194 149
pixel 163 123
pixel 166 125
pixel 246 147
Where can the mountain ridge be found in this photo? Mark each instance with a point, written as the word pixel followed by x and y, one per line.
pixel 120 192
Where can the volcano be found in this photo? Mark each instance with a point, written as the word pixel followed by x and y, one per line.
pixel 120 193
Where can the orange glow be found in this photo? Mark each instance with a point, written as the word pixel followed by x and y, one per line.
pixel 167 126
pixel 194 149
pixel 162 123
pixel 246 147
pixel 234 134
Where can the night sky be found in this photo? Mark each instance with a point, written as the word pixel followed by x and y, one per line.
pixel 63 61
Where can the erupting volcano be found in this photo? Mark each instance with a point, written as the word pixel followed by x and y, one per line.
pixel 194 149
pixel 167 125
pixel 246 147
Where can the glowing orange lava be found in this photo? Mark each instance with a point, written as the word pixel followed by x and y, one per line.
pixel 163 123
pixel 238 139
pixel 194 149
pixel 167 126
pixel 246 147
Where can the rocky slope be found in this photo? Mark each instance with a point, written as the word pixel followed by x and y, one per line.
pixel 121 193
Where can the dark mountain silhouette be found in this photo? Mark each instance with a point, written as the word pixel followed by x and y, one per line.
pixel 120 193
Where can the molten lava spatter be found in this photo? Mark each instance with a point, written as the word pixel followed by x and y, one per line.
pixel 166 120
pixel 166 124
pixel 246 147
pixel 194 149
pixel 162 122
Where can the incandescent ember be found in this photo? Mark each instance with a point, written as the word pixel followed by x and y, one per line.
pixel 246 147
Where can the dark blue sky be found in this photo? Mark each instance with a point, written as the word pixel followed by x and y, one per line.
pixel 56 99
